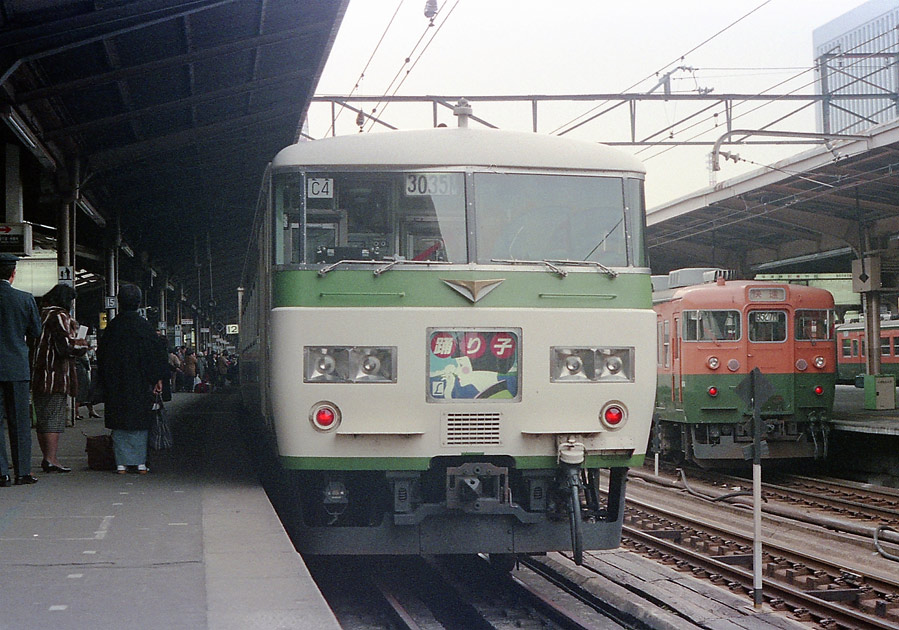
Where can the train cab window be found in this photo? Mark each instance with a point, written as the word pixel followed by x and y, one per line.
pixel 711 326
pixel 767 326
pixel 813 324
pixel 326 217
pixel 551 217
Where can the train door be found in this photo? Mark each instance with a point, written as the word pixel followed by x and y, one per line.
pixel 767 337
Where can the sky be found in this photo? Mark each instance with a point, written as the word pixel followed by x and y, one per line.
pixel 518 47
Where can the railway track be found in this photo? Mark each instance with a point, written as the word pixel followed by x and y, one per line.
pixel 806 572
pixel 459 593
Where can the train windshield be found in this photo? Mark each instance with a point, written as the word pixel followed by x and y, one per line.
pixel 814 324
pixel 369 216
pixel 555 217
pixel 711 326
pixel 329 216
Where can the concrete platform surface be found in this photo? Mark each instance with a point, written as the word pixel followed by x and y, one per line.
pixel 194 544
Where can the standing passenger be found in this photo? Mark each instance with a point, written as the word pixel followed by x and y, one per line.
pixel 54 376
pixel 18 319
pixel 132 364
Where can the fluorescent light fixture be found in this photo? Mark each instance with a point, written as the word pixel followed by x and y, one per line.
pixel 24 133
pixel 127 250
pixel 90 211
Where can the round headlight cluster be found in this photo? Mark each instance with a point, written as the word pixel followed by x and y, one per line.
pixel 802 365
pixel 820 362
pixel 713 363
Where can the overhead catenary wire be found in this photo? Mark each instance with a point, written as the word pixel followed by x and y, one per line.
pixel 561 130
pixel 850 64
pixel 368 63
pixel 417 59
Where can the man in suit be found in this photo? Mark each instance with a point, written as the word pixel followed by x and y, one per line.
pixel 19 319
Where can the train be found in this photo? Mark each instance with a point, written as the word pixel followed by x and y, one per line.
pixel 450 332
pixel 712 333
pixel 852 350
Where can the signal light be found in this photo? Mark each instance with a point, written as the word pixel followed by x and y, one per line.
pixel 819 390
pixel 713 391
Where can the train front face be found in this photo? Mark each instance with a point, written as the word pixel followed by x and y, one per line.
pixel 786 333
pixel 447 345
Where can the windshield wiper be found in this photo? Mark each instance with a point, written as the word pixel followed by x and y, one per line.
pixel 403 261
pixel 387 264
pixel 591 263
pixel 333 266
pixel 548 263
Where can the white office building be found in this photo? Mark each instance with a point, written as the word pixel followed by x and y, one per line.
pixel 858 53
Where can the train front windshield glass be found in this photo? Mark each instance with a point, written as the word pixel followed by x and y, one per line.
pixel 550 217
pixel 369 216
pixel 329 216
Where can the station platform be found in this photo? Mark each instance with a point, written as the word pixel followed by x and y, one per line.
pixel 850 415
pixel 193 544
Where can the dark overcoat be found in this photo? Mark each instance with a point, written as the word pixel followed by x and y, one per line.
pixel 130 360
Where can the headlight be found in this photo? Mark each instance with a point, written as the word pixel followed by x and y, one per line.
pixel 820 362
pixel 713 363
pixel 349 364
pixel 591 365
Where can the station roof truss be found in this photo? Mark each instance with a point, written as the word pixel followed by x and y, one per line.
pixel 836 201
pixel 162 114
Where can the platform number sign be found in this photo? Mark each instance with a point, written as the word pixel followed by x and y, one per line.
pixel 320 188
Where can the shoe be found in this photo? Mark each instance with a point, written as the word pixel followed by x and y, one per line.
pixel 93 414
pixel 48 467
pixel 120 470
pixel 142 469
pixel 25 480
pixel 5 481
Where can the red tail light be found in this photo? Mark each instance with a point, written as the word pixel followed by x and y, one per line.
pixel 613 416
pixel 819 390
pixel 713 391
pixel 324 416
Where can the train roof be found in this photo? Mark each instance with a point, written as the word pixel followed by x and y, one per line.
pixel 735 292
pixel 459 146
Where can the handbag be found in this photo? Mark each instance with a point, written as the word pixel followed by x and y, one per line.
pixel 160 432
pixel 99 452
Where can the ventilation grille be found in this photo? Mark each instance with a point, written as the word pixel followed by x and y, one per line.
pixel 471 429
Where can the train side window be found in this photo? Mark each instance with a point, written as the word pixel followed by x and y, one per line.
pixel 767 326
pixel 885 346
pixel 711 326
pixel 855 347
pixel 847 348
pixel 895 346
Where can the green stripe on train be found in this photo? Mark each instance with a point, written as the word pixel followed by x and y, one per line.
pixel 794 395
pixel 536 462
pixel 418 288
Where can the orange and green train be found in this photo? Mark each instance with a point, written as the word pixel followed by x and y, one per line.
pixel 711 335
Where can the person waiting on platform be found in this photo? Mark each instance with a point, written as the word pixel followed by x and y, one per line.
pixel 54 376
pixel 19 319
pixel 132 364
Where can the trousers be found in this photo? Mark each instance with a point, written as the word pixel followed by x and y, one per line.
pixel 14 407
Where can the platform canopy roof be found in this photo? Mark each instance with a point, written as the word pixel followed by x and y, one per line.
pixel 163 114
pixel 814 212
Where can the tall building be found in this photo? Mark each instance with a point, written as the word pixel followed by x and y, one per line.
pixel 858 53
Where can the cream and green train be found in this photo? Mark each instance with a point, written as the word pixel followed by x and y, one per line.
pixel 451 333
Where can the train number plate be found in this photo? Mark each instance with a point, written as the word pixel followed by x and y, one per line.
pixel 474 364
